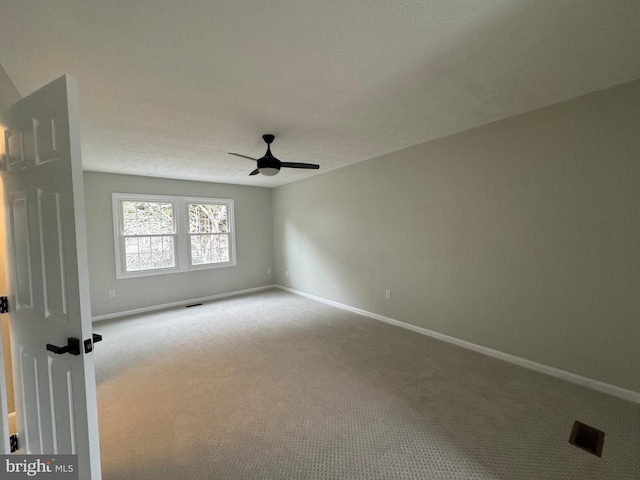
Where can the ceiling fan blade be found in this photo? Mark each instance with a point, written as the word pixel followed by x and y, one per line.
pixel 243 156
pixel 255 172
pixel 311 166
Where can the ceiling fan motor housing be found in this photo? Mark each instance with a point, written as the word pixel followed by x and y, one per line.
pixel 269 165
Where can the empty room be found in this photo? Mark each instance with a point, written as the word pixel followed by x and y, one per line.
pixel 321 239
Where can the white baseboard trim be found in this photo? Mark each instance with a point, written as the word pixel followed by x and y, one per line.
pixel 607 388
pixel 179 304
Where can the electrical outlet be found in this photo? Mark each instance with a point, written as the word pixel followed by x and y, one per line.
pixel 286 273
pixel 112 293
pixel 387 294
pixel 268 271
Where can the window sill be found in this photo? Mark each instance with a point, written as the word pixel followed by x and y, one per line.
pixel 173 270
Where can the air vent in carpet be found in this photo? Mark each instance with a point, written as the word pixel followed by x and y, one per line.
pixel 587 438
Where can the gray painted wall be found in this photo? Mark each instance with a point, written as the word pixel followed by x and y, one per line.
pixel 254 245
pixel 8 92
pixel 522 236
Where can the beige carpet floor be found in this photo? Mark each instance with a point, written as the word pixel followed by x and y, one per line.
pixel 275 386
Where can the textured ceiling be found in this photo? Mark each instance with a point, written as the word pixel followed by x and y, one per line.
pixel 167 87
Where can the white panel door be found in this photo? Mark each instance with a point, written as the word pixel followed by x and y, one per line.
pixel 49 292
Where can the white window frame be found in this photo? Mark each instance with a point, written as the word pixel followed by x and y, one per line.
pixel 182 243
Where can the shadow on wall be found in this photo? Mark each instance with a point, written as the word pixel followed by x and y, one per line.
pixel 334 274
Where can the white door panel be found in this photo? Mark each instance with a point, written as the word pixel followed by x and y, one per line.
pixel 49 298
pixel 52 254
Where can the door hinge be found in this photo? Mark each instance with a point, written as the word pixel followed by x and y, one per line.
pixel 4 304
pixel 13 442
pixel 89 342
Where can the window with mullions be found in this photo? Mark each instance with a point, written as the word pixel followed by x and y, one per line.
pixel 160 234
pixel 208 233
pixel 148 231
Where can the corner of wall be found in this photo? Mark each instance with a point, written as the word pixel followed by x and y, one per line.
pixel 8 92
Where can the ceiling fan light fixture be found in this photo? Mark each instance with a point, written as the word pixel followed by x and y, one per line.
pixel 269 171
